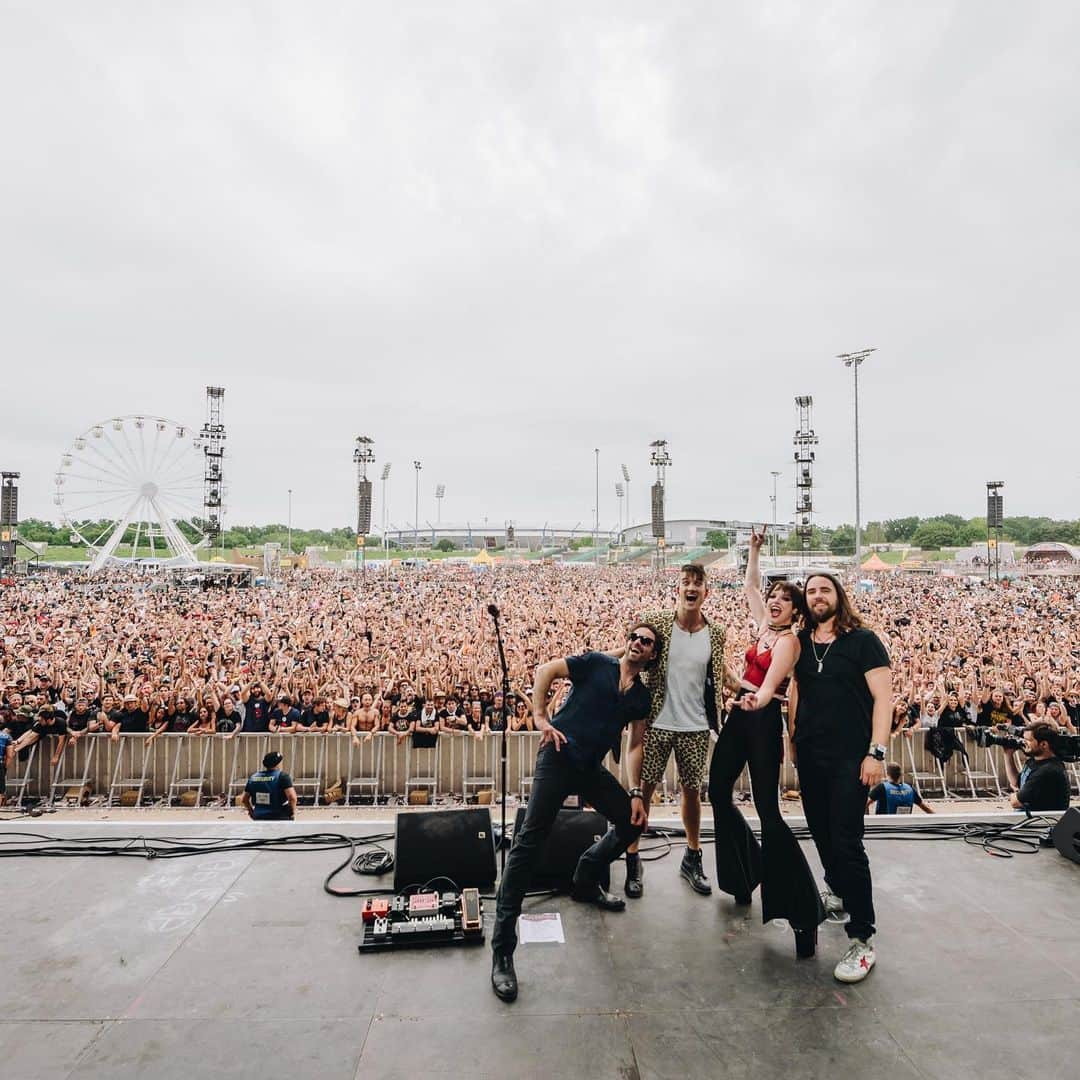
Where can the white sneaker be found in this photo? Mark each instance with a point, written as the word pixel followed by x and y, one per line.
pixel 856 963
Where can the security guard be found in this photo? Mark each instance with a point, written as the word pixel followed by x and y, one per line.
pixel 269 794
pixel 893 796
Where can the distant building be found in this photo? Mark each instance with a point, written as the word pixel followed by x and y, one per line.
pixel 976 555
pixel 1052 554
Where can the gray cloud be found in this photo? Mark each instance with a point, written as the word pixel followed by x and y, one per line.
pixel 493 237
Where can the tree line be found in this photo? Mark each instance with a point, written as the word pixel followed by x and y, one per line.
pixel 931 533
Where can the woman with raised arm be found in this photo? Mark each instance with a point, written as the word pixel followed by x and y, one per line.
pixel 753 735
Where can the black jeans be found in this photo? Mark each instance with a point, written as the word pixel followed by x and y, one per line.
pixel 555 778
pixel 788 889
pixel 834 801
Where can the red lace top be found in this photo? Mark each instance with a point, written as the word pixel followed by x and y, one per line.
pixel 757 666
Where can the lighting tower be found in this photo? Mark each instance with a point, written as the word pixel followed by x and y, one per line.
pixel 620 493
pixel 416 515
pixel 775 474
pixel 440 491
pixel 995 519
pixel 853 360
pixel 9 521
pixel 212 440
pixel 385 515
pixel 626 480
pixel 661 459
pixel 363 455
pixel 805 440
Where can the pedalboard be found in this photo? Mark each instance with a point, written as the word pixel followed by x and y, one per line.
pixel 422 919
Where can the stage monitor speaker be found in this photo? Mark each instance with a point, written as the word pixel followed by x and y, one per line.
pixel 574 831
pixel 456 844
pixel 1066 834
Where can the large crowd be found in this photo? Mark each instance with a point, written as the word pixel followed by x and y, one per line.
pixel 414 652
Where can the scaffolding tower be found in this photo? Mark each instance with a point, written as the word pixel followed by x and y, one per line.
pixel 212 440
pixel 805 440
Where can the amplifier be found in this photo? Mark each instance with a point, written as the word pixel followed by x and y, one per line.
pixel 454 844
pixel 573 833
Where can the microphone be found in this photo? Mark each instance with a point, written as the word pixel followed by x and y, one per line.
pixel 493 611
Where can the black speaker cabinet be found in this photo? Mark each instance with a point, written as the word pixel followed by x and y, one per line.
pixel 456 844
pixel 1066 834
pixel 574 831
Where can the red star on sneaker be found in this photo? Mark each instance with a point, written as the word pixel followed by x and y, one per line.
pixel 864 963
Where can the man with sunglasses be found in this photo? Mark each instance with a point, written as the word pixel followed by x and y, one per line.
pixel 606 694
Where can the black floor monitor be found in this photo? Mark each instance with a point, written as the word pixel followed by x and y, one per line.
pixel 454 844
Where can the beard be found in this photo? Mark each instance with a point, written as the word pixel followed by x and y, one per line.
pixel 820 615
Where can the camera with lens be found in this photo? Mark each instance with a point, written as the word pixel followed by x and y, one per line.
pixel 1007 736
pixel 1011 737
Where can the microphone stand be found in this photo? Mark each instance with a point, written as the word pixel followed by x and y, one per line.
pixel 494 612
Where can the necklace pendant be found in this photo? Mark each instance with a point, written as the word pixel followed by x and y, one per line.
pixel 819 663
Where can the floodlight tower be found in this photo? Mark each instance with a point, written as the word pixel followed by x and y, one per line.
pixel 416 514
pixel 620 494
pixel 440 491
pixel 661 460
pixel 995 519
pixel 854 360
pixel 363 455
pixel 212 440
pixel 805 440
pixel 385 516
pixel 775 474
pixel 9 521
pixel 626 480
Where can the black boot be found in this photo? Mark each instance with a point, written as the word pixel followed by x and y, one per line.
pixel 691 870
pixel 635 874
pixel 805 943
pixel 585 893
pixel 503 977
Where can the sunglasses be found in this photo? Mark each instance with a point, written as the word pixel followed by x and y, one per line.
pixel 641 638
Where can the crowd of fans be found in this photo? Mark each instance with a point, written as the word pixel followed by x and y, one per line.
pixel 414 654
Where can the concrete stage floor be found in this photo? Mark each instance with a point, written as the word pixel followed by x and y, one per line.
pixel 238 965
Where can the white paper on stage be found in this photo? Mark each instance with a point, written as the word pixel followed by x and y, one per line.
pixel 541 927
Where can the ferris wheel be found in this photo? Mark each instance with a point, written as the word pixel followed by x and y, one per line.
pixel 131 488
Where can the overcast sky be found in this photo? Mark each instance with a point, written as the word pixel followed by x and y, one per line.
pixel 496 236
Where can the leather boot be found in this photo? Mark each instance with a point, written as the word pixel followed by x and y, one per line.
pixel 691 870
pixel 635 874
pixel 503 977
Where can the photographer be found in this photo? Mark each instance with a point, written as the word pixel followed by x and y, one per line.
pixel 1042 783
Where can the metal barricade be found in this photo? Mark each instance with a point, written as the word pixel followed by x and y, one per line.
pixel 131 766
pixel 73 776
pixel 364 774
pixel 191 755
pixel 479 771
pixel 24 777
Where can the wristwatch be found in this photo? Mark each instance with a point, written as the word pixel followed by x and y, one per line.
pixel 876 751
pixel 636 793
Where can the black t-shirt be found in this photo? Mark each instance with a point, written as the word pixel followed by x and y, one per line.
pixel 835 705
pixel 309 718
pixel 79 721
pixel 256 713
pixel 279 716
pixel 1044 785
pixel 56 729
pixel 131 721
pixel 953 718
pixel 183 721
pixel 594 713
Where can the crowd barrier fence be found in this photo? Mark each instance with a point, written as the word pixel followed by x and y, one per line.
pixel 195 770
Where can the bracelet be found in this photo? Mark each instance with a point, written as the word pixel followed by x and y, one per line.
pixel 637 793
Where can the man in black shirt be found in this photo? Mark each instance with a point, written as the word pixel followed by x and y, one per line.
pixel 840 713
pixel 132 719
pixel 50 724
pixel 606 695
pixel 1042 783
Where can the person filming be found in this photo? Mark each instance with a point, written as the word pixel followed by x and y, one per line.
pixel 1042 783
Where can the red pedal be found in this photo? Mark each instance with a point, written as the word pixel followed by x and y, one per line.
pixel 375 907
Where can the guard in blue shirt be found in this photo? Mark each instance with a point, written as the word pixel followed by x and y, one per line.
pixel 606 695
pixel 269 794
pixel 893 796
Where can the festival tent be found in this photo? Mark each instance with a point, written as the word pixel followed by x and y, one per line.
pixel 876 562
pixel 483 557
